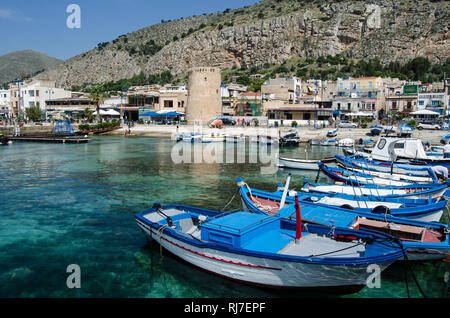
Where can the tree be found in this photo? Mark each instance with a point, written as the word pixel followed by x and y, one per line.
pixel 88 115
pixel 34 113
pixel 97 96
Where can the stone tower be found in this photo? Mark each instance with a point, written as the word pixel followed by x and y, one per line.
pixel 204 97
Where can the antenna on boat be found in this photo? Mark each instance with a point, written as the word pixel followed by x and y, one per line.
pixel 298 218
pixel 286 189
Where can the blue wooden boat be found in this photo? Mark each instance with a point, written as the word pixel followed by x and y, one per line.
pixel 332 133
pixel 369 143
pixel 315 141
pixel 270 251
pixel 431 211
pixel 402 169
pixel 422 240
pixel 406 130
pixel 413 191
pixel 376 130
pixel 354 178
pixel 445 139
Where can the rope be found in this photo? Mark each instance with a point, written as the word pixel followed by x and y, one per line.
pixel 160 233
pixel 258 204
pixel 234 195
pixel 347 248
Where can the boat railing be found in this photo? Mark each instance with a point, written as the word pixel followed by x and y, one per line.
pixel 368 173
pixel 352 184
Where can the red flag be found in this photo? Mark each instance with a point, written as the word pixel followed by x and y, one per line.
pixel 298 233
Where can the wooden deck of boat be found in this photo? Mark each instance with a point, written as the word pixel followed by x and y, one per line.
pixel 312 244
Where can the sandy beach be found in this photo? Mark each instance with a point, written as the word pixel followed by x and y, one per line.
pixel 305 133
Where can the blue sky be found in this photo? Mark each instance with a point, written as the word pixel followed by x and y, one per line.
pixel 41 25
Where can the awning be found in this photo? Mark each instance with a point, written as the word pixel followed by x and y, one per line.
pixel 172 114
pixel 110 112
pixel 361 114
pixel 150 114
pixel 425 112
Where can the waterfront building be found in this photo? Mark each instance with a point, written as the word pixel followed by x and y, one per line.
pixel 5 103
pixel 249 104
pixel 403 100
pixel 358 95
pixel 204 96
pixel 173 99
pixel 431 101
pixel 231 95
pixel 16 99
pixel 282 89
pixel 41 93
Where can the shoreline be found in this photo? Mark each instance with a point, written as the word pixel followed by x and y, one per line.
pixel 305 133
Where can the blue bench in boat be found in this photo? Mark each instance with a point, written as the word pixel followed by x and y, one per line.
pixel 243 230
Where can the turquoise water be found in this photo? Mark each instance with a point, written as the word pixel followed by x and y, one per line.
pixel 75 204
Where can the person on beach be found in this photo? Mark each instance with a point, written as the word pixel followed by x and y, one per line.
pixel 447 151
pixel 441 172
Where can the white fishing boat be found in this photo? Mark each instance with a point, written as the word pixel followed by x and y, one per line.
pixel 329 142
pixel 264 140
pixel 213 137
pixel 192 137
pixel 235 138
pixel 302 164
pixel 347 142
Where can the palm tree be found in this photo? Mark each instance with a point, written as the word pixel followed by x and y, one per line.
pixel 98 96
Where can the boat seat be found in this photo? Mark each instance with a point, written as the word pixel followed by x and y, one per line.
pixel 187 225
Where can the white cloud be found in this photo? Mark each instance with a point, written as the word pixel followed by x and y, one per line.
pixel 5 13
pixel 11 15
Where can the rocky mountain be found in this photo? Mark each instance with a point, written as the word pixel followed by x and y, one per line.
pixel 270 31
pixel 19 64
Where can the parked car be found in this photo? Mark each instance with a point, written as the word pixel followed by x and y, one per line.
pixel 429 126
pixel 347 124
pixel 228 121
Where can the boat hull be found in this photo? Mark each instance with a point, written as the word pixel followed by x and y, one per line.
pixel 262 271
pixel 302 164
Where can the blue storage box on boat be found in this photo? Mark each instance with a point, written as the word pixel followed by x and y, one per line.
pixel 238 229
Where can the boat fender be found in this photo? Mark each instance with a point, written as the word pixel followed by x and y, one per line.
pixel 202 218
pixel 381 209
pixel 305 183
pixel 347 206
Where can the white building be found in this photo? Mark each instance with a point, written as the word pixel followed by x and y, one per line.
pixel 431 101
pixel 41 93
pixel 5 103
